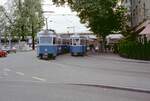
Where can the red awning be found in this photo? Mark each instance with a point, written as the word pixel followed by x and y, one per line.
pixel 146 30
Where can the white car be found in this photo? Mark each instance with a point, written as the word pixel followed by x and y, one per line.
pixel 9 49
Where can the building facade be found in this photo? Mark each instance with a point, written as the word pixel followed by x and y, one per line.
pixel 140 12
pixel 127 4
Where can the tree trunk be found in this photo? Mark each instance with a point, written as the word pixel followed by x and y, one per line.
pixel 0 41
pixel 33 39
pixel 22 33
pixel 104 45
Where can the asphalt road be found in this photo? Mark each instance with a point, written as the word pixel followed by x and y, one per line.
pixel 23 77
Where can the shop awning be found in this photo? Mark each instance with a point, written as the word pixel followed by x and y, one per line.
pixel 114 36
pixel 92 36
pixel 146 30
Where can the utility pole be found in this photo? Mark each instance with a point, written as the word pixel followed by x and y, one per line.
pixel 46 24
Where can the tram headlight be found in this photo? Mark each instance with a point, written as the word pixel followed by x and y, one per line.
pixel 46 50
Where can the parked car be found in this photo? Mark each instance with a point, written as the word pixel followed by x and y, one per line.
pixel 3 53
pixel 8 49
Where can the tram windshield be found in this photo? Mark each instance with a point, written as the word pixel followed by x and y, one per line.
pixel 46 40
pixel 76 42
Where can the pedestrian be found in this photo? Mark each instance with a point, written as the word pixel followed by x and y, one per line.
pixel 97 48
pixel 92 48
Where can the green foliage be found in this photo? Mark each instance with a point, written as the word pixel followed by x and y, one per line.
pixel 134 49
pixel 2 20
pixel 28 18
pixel 102 16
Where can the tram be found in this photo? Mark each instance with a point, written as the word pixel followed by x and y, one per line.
pixel 78 45
pixel 47 46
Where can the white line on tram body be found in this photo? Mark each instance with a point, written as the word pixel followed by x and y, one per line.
pixel 20 73
pixel 40 79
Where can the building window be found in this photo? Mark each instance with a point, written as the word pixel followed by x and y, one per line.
pixel 139 1
pixel 144 9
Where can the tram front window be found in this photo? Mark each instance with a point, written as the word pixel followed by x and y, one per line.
pixel 76 42
pixel 46 40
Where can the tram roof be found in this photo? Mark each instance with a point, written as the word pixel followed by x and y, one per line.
pixel 46 33
pixel 77 36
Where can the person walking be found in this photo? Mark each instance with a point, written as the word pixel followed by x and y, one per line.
pixel 92 48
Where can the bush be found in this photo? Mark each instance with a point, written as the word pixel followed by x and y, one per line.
pixel 134 49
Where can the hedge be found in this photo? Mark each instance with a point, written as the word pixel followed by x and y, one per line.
pixel 134 50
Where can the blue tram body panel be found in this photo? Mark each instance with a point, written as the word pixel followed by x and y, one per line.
pixel 49 49
pixel 59 49
pixel 81 49
pixel 65 48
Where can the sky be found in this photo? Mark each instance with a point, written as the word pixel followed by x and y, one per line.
pixel 63 20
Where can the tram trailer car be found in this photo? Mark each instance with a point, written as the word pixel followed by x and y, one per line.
pixel 47 47
pixel 63 44
pixel 78 46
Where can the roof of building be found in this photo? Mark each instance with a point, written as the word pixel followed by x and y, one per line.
pixel 146 30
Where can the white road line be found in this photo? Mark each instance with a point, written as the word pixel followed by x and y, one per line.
pixel 20 73
pixel 7 70
pixel 40 79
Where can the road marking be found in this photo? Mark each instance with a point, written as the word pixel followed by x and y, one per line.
pixel 7 70
pixel 20 73
pixel 40 79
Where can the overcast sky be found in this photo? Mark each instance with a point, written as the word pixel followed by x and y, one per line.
pixel 61 18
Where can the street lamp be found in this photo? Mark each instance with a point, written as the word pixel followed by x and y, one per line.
pixel 46 21
pixel 46 18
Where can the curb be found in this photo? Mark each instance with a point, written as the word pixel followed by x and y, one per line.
pixel 115 88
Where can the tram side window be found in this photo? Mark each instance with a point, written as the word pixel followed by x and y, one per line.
pixel 54 40
pixel 37 41
pixel 83 42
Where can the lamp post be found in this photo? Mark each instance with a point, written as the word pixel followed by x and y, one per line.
pixel 46 23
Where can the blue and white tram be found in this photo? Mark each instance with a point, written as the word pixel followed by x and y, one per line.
pixel 63 44
pixel 47 46
pixel 78 45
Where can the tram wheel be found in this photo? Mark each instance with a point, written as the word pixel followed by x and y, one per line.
pixel 40 56
pixel 72 54
pixel 54 57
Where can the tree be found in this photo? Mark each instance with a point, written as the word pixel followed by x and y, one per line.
pixel 3 21
pixel 35 17
pixel 28 19
pixel 102 16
